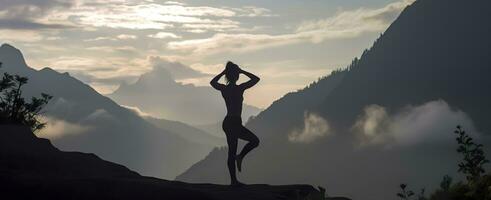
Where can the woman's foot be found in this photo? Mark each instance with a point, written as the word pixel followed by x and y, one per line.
pixel 236 184
pixel 239 162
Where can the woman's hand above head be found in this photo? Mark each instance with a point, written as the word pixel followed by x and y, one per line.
pixel 253 79
pixel 214 82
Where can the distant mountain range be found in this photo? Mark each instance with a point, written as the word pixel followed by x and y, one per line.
pixel 158 94
pixel 386 119
pixel 94 123
pixel 187 132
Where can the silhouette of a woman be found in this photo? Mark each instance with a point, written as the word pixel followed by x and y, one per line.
pixel 232 124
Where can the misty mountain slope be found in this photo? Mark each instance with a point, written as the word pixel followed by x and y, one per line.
pixel 187 132
pixel 158 94
pixel 23 154
pixel 93 123
pixel 289 110
pixel 389 118
pixel 425 55
pixel 31 168
pixel 214 129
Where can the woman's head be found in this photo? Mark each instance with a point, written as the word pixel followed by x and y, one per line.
pixel 231 72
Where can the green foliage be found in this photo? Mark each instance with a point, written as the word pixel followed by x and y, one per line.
pixel 472 166
pixel 477 187
pixel 421 195
pixel 14 108
pixel 474 159
pixel 446 183
pixel 354 63
pixel 405 194
pixel 453 192
pixel 479 190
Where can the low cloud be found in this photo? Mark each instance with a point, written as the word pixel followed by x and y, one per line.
pixel 208 68
pixel 20 36
pixel 164 35
pixel 114 38
pixel 174 3
pixel 315 127
pixel 98 115
pixel 433 121
pixel 24 9
pixel 137 111
pixel 25 14
pixel 99 39
pixel 56 128
pixel 253 11
pixel 372 126
pixel 126 37
pixel 22 24
pixel 218 26
pixel 126 50
pixel 87 78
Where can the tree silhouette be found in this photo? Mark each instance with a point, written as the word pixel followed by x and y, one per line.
pixel 446 183
pixel 422 194
pixel 474 159
pixel 405 194
pixel 14 108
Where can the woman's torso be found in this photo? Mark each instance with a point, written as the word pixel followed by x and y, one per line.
pixel 233 96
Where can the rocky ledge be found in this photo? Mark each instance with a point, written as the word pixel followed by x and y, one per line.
pixel 32 168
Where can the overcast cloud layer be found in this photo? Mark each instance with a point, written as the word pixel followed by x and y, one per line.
pixel 104 43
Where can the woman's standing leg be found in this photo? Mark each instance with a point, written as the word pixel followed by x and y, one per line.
pixel 232 150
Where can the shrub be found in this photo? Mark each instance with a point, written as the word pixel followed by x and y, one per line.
pixel 474 159
pixel 14 108
pixel 405 194
pixel 477 187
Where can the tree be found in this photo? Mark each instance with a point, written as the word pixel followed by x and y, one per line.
pixel 474 159
pixel 421 195
pixel 446 183
pixel 405 194
pixel 14 108
pixel 478 185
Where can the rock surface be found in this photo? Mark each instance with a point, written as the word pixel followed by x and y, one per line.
pixel 32 168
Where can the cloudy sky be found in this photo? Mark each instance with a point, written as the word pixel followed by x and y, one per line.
pixel 288 43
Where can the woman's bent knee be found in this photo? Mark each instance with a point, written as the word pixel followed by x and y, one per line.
pixel 255 142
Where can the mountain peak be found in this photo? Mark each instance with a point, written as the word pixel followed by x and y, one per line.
pixel 12 58
pixel 157 76
pixel 7 48
pixel 5 45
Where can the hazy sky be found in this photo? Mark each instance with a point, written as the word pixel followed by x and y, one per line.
pixel 104 42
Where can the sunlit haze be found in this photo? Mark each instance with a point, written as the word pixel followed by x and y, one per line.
pixel 105 43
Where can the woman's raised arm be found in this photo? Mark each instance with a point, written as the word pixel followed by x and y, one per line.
pixel 214 82
pixel 254 79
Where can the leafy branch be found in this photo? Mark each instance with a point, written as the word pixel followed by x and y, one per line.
pixel 474 158
pixel 13 106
